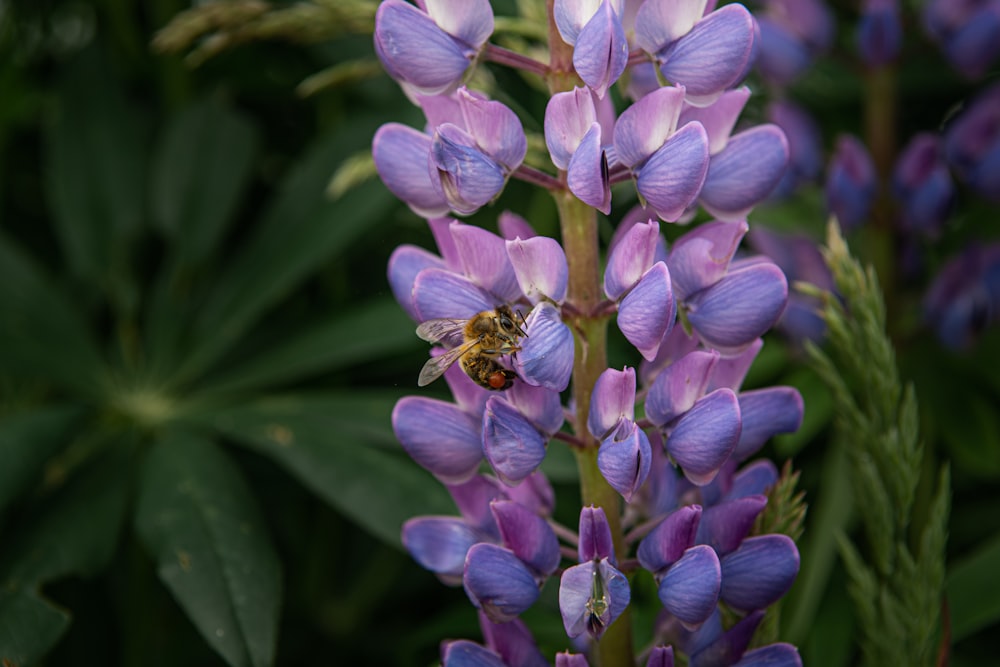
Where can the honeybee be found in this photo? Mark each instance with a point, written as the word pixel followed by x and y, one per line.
pixel 485 337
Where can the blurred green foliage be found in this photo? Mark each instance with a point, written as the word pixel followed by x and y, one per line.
pixel 199 353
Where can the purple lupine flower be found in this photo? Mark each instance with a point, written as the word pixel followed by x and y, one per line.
pixel 661 656
pixel 574 138
pixel 805 146
pixel 498 582
pixel 512 641
pixel 972 143
pixel 759 572
pixel 792 34
pixel 923 185
pixel 465 653
pixel 567 659
pixel 965 296
pixel 594 30
pixel 851 182
pixel 624 456
pixel 799 258
pixel 669 164
pixel 968 32
pixel 431 50
pixel 744 168
pixel 705 54
pixel 880 32
pixel 728 303
pixel 593 594
pixel 711 646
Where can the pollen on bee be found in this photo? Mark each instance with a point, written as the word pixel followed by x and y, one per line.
pixel 498 380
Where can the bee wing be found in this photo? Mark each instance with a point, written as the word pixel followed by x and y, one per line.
pixel 445 330
pixel 436 366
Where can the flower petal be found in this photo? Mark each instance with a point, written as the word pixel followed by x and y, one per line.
pixel 644 127
pixel 601 50
pixel 439 436
pixel 512 226
pixel 624 459
pixel 679 385
pixel 465 653
pixel 469 20
pixel 745 172
pixel 665 544
pixel 767 412
pixel 512 445
pixel 497 582
pixel 568 117
pixel 513 642
pixel 661 656
pixel 587 175
pixel 755 478
pixel 571 660
pixel 731 370
pixel 485 260
pixel 439 544
pixel 690 589
pixel 496 129
pixel 405 263
pixel 594 535
pixel 672 178
pixel 630 258
pixel 546 356
pixel 701 257
pixel 438 293
pixel 647 313
pixel 733 312
pixel 719 117
pixel 528 536
pixel 468 178
pixel 724 525
pixel 473 499
pixel 715 54
pixel 611 401
pixel 591 596
pixel 571 15
pixel 706 435
pixel 540 268
pixel 400 155
pixel 774 655
pixel 541 406
pixel 660 22
pixel 759 572
pixel 535 493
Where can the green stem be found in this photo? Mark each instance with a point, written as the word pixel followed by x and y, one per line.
pixel 579 233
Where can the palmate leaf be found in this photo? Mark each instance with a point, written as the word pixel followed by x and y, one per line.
pixel 199 520
pixel 26 441
pixel 375 488
pixel 300 231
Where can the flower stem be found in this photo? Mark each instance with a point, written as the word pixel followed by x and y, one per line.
pixel 579 232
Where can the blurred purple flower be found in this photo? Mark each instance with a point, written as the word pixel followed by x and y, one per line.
pixel 851 182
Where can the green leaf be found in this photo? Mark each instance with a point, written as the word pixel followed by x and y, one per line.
pixel 73 532
pixel 344 339
pixel 974 591
pixel 299 232
pixel 41 334
pixel 96 167
pixel 375 488
pixel 29 627
pixel 26 441
pixel 199 172
pixel 198 518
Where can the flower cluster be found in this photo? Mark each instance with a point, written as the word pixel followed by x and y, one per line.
pixel 520 344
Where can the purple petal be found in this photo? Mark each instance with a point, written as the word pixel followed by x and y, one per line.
pixel 759 572
pixel 701 257
pixel 439 544
pixel 732 313
pixel 715 648
pixel 535 493
pixel 774 655
pixel 783 55
pixel 571 15
pixel 496 129
pixel 528 536
pixel 400 155
pixel 546 356
pixel 880 35
pixel 469 179
pixel 611 401
pixel 679 385
pixel 465 653
pixel 974 46
pixel 512 445
pixel 851 182
pixel 416 50
pixel 690 589
pixel 766 412
pixel 674 346
pixel 473 500
pixel 595 535
pixel 731 370
pixel 706 435
pixel 624 459
pixel 644 127
pixel 512 226
pixel 660 22
pixel 661 656
pixel 405 263
pixel 513 642
pixel 755 478
pixel 568 117
pixel 485 261
pixel 571 660
pixel 540 267
pixel 718 118
pixel 723 526
pixel 441 231
pixel 715 54
pixel 541 406
pixel 666 543
pixel 745 172
pixel 591 596
pixel 630 258
pixel 440 293
pixel 672 178
pixel 439 436
pixel 647 313
pixel 587 175
pixel 497 582
pixel 469 20
pixel 662 492
pixel 601 51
